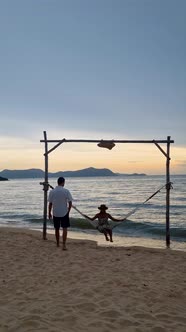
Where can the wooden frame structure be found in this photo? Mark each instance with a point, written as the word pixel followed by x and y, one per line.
pixel 101 142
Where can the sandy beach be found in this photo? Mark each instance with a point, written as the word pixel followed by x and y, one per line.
pixel 88 287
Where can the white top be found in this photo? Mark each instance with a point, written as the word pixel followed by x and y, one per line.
pixel 59 197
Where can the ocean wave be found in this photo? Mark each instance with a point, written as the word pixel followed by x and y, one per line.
pixel 128 227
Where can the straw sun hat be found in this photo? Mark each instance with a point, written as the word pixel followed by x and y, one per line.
pixel 102 207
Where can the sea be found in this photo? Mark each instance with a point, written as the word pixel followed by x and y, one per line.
pixel 22 205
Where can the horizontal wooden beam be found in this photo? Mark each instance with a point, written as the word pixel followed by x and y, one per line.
pixel 104 140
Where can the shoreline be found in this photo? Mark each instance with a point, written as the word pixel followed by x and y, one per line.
pixel 88 287
pixel 129 241
pixel 120 240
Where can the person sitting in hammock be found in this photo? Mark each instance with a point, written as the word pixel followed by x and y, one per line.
pixel 103 224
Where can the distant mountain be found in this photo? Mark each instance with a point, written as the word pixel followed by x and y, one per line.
pixel 91 171
pixel 38 173
pixel 21 174
pixel 3 179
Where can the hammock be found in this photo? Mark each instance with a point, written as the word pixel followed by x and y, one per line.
pixel 94 224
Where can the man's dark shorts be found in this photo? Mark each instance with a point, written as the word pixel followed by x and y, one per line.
pixel 64 222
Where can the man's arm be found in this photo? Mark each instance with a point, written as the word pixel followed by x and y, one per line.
pixel 69 206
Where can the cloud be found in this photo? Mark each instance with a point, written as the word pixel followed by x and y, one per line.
pixel 181 163
pixel 135 161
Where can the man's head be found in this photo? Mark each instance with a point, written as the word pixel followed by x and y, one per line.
pixel 61 181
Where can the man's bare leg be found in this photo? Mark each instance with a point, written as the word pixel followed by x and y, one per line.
pixel 57 236
pixel 64 238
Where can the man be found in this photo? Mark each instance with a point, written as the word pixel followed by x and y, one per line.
pixel 60 201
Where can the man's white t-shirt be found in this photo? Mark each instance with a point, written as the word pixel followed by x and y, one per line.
pixel 59 197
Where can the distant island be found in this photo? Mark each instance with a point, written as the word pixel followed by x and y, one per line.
pixel 3 179
pixel 38 173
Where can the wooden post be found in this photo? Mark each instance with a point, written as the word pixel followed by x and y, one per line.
pixel 45 188
pixel 168 193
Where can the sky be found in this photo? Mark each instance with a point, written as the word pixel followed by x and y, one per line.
pixel 92 69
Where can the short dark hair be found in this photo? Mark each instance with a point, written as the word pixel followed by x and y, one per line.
pixel 61 180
